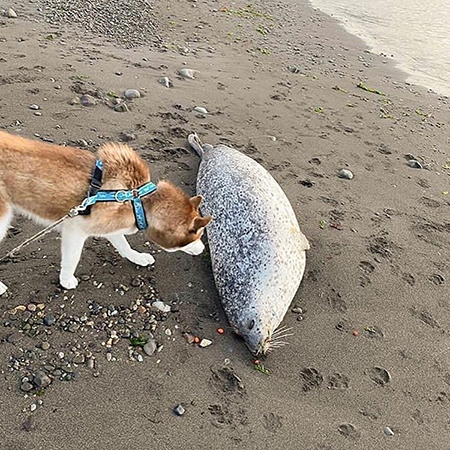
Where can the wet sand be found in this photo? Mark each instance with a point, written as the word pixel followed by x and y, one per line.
pixel 370 348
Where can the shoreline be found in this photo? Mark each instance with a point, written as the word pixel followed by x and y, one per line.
pixel 287 85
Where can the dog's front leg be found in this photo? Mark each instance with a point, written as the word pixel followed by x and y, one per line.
pixel 123 247
pixel 71 246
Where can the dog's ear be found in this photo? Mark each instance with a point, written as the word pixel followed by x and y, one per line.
pixel 201 222
pixel 195 201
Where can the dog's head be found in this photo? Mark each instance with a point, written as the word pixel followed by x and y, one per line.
pixel 174 220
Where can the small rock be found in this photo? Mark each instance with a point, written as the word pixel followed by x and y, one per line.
pixel 11 14
pixel 388 431
pixel 45 345
pixel 28 425
pixel 33 407
pixel 293 69
pixel 78 359
pixel 74 101
pixel 88 100
pixel 346 174
pixel 297 310
pixel 49 319
pixel 161 306
pixel 34 107
pixel 121 107
pixel 205 343
pixel 179 410
pixel 166 81
pixel 414 164
pixel 201 110
pixel 26 386
pixel 32 307
pixel 13 338
pixel 130 94
pixel 108 356
pixel 127 137
pixel 188 73
pixel 190 338
pixel 150 347
pixel 41 380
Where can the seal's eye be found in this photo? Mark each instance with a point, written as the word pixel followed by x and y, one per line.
pixel 251 324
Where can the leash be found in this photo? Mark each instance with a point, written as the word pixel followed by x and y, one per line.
pixel 72 213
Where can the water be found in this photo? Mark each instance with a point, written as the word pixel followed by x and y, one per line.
pixel 415 32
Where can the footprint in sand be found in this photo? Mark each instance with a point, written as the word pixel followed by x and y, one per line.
pixel 312 378
pixel 338 381
pixel 349 431
pixel 272 422
pixel 378 375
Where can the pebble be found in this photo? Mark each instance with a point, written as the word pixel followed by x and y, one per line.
pixel 33 407
pixel 49 319
pixel 13 338
pixel 34 107
pixel 88 100
pixel 127 137
pixel 205 343
pixel 11 14
pixel 187 73
pixel 161 306
pixel 293 69
pixel 140 358
pixel 78 359
pixel 346 174
pixel 414 164
pixel 179 410
pixel 130 94
pixel 121 107
pixel 388 431
pixel 41 380
pixel 201 110
pixel 150 347
pixel 32 307
pixel 45 345
pixel 108 356
pixel 297 310
pixel 28 425
pixel 26 386
pixel 166 81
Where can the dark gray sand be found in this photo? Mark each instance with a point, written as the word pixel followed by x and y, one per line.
pixel 368 365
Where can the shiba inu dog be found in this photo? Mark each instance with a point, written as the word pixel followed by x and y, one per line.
pixel 45 181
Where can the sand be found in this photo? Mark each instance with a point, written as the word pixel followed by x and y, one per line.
pixel 375 294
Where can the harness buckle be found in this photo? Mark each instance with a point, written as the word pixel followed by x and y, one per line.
pixel 121 196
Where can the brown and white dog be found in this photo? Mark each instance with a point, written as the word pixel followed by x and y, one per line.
pixel 45 181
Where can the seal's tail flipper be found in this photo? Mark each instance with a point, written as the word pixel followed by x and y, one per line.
pixel 196 144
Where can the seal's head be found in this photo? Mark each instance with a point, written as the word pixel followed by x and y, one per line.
pixel 256 333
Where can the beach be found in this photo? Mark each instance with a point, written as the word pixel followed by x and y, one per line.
pixel 368 364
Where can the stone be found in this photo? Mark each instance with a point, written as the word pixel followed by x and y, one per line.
pixel 34 107
pixel 26 386
pixel 131 94
pixel 187 73
pixel 346 174
pixel 414 164
pixel 121 107
pixel 179 410
pixel 201 110
pixel 150 347
pixel 297 310
pixel 205 343
pixel 45 345
pixel 127 137
pixel 49 319
pixel 388 431
pixel 78 359
pixel 161 306
pixel 166 81
pixel 13 338
pixel 88 100
pixel 11 14
pixel 41 380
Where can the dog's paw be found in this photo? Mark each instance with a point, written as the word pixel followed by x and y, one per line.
pixel 68 283
pixel 3 288
pixel 142 259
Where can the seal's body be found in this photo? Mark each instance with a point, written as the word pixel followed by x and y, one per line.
pixel 257 249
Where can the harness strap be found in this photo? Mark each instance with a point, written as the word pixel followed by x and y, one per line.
pixel 96 195
pixel 96 184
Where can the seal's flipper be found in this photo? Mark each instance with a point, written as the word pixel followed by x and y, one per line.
pixel 196 143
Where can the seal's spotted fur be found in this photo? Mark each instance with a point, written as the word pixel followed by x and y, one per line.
pixel 257 248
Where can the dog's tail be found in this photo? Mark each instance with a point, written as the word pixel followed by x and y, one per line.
pixel 197 145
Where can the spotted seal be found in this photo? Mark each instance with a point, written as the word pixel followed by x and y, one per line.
pixel 258 252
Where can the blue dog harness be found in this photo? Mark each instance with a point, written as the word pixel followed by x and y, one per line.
pixel 96 195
